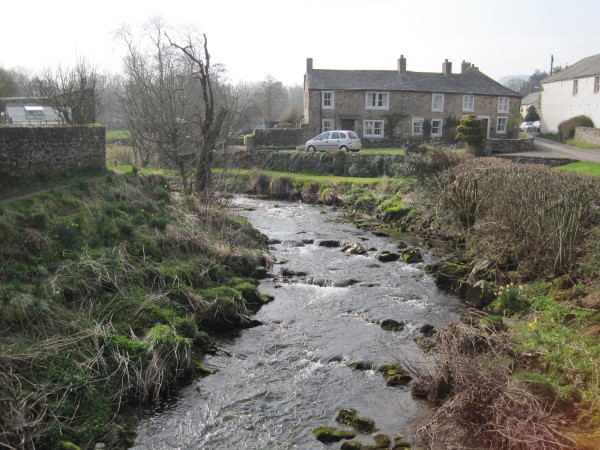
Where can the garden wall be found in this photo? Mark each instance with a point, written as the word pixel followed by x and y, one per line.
pixel 588 135
pixel 552 162
pixel 277 137
pixel 31 151
pixel 337 162
pixel 497 146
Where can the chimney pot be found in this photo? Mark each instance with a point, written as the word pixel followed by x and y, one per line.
pixel 465 66
pixel 402 64
pixel 447 67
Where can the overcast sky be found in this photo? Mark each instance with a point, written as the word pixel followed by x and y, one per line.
pixel 256 38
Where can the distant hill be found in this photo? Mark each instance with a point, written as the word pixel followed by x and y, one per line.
pixel 507 78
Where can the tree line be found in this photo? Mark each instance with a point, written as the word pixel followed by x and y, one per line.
pixel 176 103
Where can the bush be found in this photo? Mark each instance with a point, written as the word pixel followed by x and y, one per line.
pixel 566 129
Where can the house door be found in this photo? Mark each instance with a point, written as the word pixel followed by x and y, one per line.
pixel 485 122
pixel 347 124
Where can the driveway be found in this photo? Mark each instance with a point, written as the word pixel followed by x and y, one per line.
pixel 551 149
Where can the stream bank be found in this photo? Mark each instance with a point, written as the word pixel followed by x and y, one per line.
pixel 279 381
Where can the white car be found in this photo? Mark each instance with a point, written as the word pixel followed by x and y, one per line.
pixel 525 126
pixel 345 140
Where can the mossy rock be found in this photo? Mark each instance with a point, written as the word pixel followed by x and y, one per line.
pixel 388 257
pixel 361 365
pixel 381 441
pixel 447 274
pixel 355 249
pixel 395 374
pixel 400 443
pixel 427 330
pixel 392 325
pixel 401 245
pixel 327 435
pixel 352 445
pixel 412 256
pixel 349 417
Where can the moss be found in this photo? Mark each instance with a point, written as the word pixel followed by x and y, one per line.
pixel 66 445
pixel 382 441
pixel 328 435
pixel 349 417
pixel 392 325
pixel 394 374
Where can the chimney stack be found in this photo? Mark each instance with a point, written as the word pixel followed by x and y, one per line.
pixel 402 64
pixel 309 64
pixel 447 67
pixel 465 66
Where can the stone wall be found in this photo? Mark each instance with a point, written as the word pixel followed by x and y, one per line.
pixel 496 146
pixel 588 135
pixel 280 137
pixel 552 162
pixel 339 163
pixel 31 151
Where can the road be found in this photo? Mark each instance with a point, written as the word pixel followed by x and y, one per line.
pixel 550 149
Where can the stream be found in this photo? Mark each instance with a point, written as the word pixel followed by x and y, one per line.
pixel 278 381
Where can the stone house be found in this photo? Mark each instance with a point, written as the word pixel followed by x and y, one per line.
pixel 531 99
pixel 404 105
pixel 574 91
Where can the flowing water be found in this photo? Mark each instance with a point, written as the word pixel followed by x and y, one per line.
pixel 278 381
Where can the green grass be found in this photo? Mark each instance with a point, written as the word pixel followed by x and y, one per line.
pixel 117 134
pixel 383 151
pixel 584 145
pixel 26 186
pixel 583 167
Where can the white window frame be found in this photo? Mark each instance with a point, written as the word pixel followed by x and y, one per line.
pixel 440 127
pixel 415 121
pixel 502 104
pixel 327 125
pixel 501 128
pixel 575 87
pixel 377 100
pixel 370 126
pixel 328 103
pixel 437 102
pixel 597 84
pixel 468 103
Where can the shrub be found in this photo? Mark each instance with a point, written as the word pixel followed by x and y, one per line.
pixel 67 233
pixel 281 187
pixel 566 129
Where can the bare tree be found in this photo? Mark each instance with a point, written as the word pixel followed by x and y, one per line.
pixel 74 93
pixel 209 115
pixel 8 84
pixel 273 99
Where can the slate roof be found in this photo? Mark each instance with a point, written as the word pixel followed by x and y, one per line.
pixel 470 82
pixel 532 98
pixel 586 67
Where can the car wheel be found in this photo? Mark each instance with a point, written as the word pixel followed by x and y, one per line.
pixel 344 148
pixel 312 149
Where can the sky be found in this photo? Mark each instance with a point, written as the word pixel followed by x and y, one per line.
pixel 254 39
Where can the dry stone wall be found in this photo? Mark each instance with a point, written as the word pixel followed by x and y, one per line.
pixel 31 151
pixel 588 135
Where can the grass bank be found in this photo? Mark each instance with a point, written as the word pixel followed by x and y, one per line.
pixel 109 291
